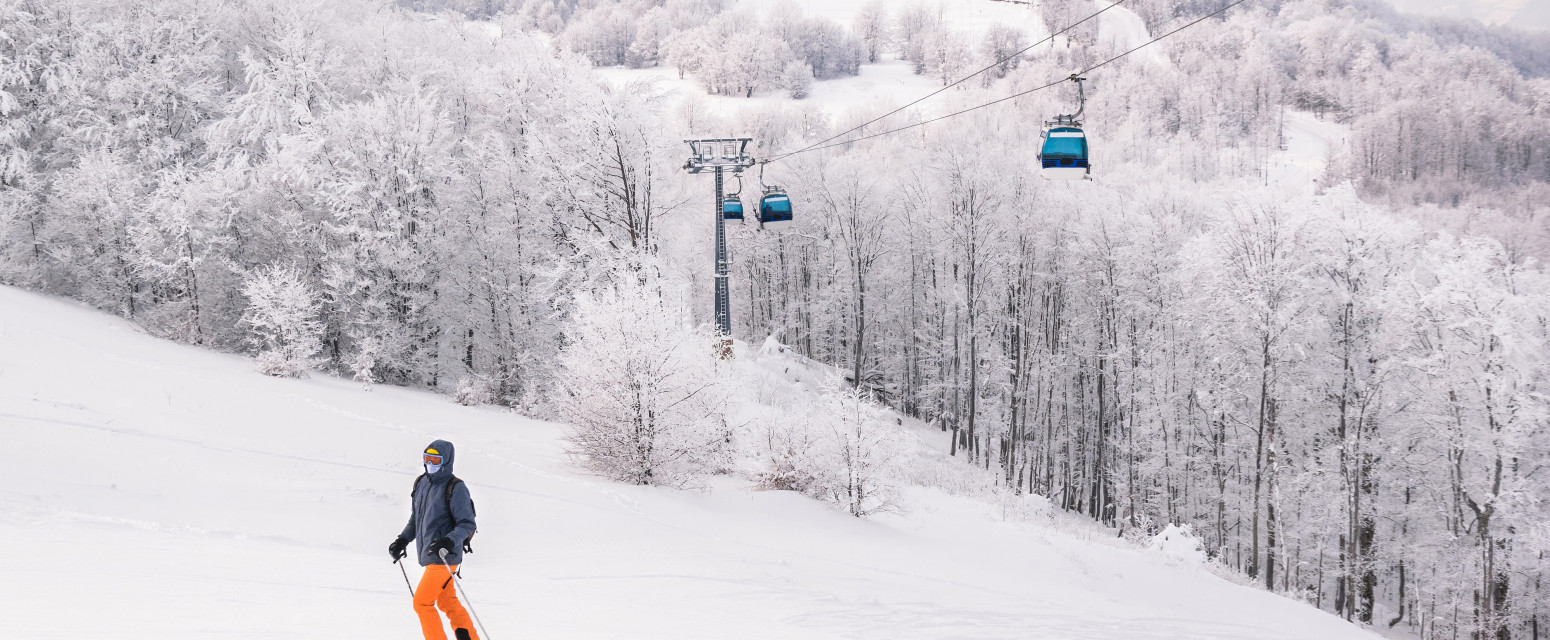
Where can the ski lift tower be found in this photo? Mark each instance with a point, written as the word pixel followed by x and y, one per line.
pixel 720 154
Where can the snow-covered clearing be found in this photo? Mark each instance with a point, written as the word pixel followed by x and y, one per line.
pixel 1126 30
pixel 1310 144
pixel 162 491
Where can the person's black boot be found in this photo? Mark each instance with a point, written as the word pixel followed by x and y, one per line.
pixel 462 634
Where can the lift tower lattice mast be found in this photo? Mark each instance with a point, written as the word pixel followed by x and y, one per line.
pixel 720 154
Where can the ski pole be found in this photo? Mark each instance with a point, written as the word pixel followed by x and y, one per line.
pixel 406 576
pixel 457 583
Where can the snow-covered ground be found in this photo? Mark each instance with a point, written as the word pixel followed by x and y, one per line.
pixel 153 490
pixel 1127 31
pixel 1310 144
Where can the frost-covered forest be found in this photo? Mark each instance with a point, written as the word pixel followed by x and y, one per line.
pixel 1338 385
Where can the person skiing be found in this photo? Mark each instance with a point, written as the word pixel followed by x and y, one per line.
pixel 441 521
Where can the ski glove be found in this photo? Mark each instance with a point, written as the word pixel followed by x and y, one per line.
pixel 396 549
pixel 441 544
pixel 468 544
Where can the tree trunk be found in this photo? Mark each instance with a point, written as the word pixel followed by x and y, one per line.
pixel 1259 454
pixel 1270 502
pixel 1400 613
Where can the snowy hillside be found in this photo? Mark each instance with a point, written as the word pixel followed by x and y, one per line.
pixel 887 83
pixel 890 82
pixel 1522 14
pixel 1300 309
pixel 162 491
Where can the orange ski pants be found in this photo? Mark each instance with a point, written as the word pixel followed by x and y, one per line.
pixel 436 590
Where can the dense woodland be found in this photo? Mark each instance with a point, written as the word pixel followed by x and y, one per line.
pixel 1339 390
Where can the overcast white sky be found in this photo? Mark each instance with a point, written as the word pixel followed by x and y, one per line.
pixel 1528 14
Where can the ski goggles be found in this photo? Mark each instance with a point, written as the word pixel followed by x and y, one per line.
pixel 432 458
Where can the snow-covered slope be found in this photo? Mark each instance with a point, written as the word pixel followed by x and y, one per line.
pixel 1127 31
pixel 153 490
pixel 1310 143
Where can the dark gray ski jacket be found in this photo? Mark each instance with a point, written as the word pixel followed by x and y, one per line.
pixel 429 518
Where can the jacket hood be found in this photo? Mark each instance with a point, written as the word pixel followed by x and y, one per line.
pixel 446 451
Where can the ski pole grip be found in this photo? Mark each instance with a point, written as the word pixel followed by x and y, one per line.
pixel 442 553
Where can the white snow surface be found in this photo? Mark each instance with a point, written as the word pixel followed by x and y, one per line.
pixel 155 490
pixel 1126 30
pixel 1310 144
pixel 1179 542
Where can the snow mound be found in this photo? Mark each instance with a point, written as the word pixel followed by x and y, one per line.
pixel 1179 543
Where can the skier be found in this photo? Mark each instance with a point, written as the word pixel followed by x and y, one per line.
pixel 441 520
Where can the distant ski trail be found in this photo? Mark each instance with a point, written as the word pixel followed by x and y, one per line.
pixel 1126 30
pixel 1310 144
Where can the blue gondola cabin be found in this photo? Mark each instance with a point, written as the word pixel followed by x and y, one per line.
pixel 732 209
pixel 775 211
pixel 1064 156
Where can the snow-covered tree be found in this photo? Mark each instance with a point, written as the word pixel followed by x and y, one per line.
pixel 282 317
pixel 785 452
pixel 1480 323
pixel 859 454
pixel 604 35
pixel 797 79
pixel 653 31
pixel 945 54
pixel 1001 45
pixel 637 382
pixel 913 24
pixel 871 26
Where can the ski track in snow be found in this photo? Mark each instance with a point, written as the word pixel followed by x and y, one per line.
pixel 163 491
pixel 1298 170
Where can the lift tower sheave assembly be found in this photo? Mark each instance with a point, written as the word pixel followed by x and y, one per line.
pixel 720 154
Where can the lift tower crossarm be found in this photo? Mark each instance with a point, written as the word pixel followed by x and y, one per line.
pixel 718 154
